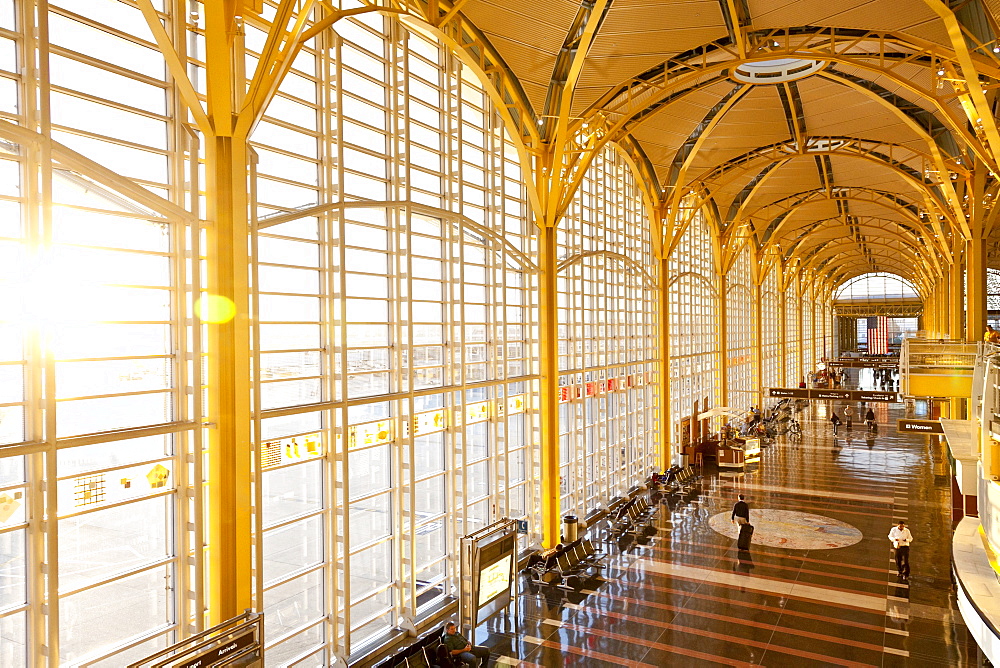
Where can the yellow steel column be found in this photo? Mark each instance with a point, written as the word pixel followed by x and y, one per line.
pixel 942 310
pixel 758 340
pixel 229 461
pixel 723 399
pixel 548 356
pixel 782 332
pixel 230 544
pixel 975 290
pixel 663 342
pixel 800 372
pixel 955 290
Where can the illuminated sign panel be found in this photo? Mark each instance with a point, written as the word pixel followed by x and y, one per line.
pixel 494 580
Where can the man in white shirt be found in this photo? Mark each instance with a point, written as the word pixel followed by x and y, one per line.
pixel 901 539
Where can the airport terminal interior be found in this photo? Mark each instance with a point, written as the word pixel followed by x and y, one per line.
pixel 326 322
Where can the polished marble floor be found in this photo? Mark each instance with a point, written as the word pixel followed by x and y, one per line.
pixel 685 597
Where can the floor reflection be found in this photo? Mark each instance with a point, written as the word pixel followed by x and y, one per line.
pixel 682 594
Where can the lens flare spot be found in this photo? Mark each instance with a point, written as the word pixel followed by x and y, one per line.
pixel 215 309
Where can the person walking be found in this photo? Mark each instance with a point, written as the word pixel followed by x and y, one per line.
pixel 835 419
pixel 741 517
pixel 461 649
pixel 741 512
pixel 870 420
pixel 901 538
pixel 849 416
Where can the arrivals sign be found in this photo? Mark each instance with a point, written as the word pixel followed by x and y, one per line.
pixel 920 426
pixel 844 395
pixel 222 654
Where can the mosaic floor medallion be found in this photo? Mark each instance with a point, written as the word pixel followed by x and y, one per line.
pixel 791 529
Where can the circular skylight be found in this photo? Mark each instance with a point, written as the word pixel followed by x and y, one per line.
pixel 776 71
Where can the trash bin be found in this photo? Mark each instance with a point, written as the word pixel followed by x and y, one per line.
pixel 570 528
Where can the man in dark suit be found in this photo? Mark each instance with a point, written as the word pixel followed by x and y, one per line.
pixel 741 512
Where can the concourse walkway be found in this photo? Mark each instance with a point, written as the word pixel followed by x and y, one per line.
pixel 819 586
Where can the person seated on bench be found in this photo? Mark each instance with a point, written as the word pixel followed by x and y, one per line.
pixel 444 659
pixel 461 649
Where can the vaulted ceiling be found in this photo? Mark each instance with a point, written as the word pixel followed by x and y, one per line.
pixel 838 134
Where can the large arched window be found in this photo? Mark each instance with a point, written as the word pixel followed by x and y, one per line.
pixel 394 273
pixel 740 336
pixel 875 286
pixel 694 329
pixel 607 337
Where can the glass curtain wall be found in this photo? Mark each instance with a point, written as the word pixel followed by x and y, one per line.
pixel 394 306
pixel 607 337
pixel 824 329
pixel 694 336
pixel 807 310
pixel 394 344
pixel 793 332
pixel 740 335
pixel 99 368
pixel 770 330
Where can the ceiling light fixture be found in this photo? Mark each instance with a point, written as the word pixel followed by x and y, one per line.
pixel 776 71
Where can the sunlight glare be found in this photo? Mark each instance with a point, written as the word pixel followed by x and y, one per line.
pixel 215 309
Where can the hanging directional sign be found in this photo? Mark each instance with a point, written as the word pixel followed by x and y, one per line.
pixel 844 395
pixel 920 426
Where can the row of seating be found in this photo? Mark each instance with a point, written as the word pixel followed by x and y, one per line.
pixel 421 654
pixel 632 517
pixel 677 484
pixel 567 566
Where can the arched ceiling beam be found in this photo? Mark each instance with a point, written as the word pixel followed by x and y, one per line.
pixel 921 121
pixel 568 140
pixel 890 201
pixel 689 149
pixel 887 152
pixel 968 85
pixel 467 41
pixel 569 64
pixel 846 272
pixel 943 166
pixel 845 247
pixel 936 161
pixel 902 170
pixel 629 103
pixel 736 14
pixel 805 244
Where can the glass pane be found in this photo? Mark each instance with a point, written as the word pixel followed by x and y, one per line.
pixel 13 646
pixel 292 491
pixel 295 647
pixel 106 455
pixel 371 569
pixel 13 590
pixel 369 470
pixel 292 605
pixel 370 519
pixel 97 545
pixel 99 618
pixel 292 547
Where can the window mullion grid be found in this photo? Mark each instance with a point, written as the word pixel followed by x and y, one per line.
pixel 39 591
pixel 403 510
pixel 340 524
pixel 333 332
pixel 497 264
pixel 44 470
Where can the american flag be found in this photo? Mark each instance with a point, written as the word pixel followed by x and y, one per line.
pixel 878 335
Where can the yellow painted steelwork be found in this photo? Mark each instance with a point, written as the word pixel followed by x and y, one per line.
pixel 943 385
pixel 548 403
pixel 663 330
